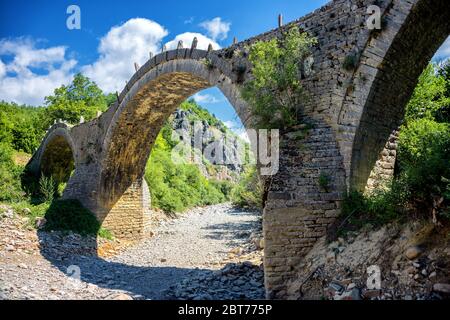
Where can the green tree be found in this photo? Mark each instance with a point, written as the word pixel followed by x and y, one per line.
pixel 80 98
pixel 275 93
pixel 431 96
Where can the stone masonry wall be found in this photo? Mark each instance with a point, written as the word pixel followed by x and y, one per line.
pixel 127 220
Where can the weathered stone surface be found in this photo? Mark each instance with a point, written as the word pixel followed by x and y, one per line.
pixel 353 114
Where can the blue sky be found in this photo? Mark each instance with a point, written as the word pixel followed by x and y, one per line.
pixel 39 53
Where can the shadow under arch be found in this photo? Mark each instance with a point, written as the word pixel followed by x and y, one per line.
pixel 56 158
pixel 77 258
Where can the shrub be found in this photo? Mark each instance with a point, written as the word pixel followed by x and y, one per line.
pixel 47 188
pixel 424 157
pixel 324 181
pixel 275 94
pixel 350 62
pixel 249 191
pixel 10 187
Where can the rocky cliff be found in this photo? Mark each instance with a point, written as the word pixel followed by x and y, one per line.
pixel 218 152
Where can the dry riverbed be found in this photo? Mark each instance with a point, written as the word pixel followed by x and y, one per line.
pixel 207 253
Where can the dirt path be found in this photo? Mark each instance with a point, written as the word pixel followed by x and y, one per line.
pixel 185 260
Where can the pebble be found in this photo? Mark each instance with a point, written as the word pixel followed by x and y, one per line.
pixel 413 252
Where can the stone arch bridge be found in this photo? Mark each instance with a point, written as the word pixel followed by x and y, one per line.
pixel 355 114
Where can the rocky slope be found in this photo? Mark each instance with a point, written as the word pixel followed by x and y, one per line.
pixel 224 166
pixel 413 260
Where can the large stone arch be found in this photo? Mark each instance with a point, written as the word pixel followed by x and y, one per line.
pixel 411 47
pixel 147 102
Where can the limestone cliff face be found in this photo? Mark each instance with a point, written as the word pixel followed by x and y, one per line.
pixel 220 150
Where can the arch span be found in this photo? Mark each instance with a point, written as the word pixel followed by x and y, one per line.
pixel 147 103
pixel 419 37
pixel 56 156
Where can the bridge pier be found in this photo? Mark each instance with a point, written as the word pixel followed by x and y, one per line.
pixel 129 219
pixel 303 200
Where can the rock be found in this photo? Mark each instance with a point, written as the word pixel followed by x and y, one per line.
pixel 441 288
pixel 9 213
pixel 119 296
pixel 40 223
pixel 432 275
pixel 334 289
pixel 370 294
pixel 411 270
pixel 353 294
pixel 413 252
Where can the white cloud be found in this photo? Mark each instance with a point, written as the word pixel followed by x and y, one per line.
pixel 444 51
pixel 33 73
pixel 2 69
pixel 29 73
pixel 216 28
pixel 205 98
pixel 187 37
pixel 120 48
pixel 189 21
pixel 230 124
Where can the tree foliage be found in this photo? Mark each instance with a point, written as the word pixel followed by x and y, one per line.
pixel 80 98
pixel 275 93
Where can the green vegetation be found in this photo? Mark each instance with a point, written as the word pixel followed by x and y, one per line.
pixel 422 181
pixel 350 62
pixel 249 191
pixel 324 181
pixel 275 94
pixel 70 215
pixel 177 187
pixel 21 131
pixel 174 188
pixel 81 98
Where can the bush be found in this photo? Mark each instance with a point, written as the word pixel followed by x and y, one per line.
pixel 275 94
pixel 47 188
pixel 10 186
pixel 249 191
pixel 424 158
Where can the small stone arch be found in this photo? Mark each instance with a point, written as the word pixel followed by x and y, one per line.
pixel 56 157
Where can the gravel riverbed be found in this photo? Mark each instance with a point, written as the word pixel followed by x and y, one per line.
pixel 207 253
